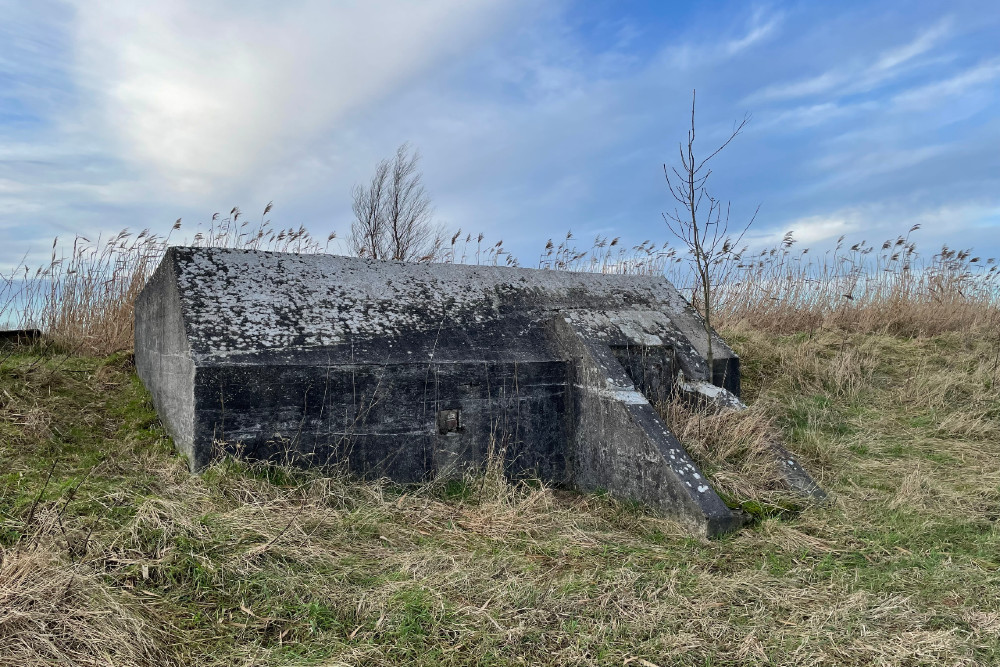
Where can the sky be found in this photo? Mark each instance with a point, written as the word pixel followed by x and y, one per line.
pixel 532 118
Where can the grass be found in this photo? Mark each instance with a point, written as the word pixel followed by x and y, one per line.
pixel 877 367
pixel 113 554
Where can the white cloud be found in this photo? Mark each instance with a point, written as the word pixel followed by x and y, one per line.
pixel 924 42
pixel 862 163
pixel 858 78
pixel 706 49
pixel 8 186
pixel 886 220
pixel 815 85
pixel 202 93
pixel 812 229
pixel 815 114
pixel 944 92
pixel 757 33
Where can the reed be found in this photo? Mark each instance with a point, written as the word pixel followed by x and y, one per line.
pixel 884 288
pixel 83 297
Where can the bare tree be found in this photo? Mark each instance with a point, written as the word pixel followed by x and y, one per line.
pixel 393 214
pixel 368 229
pixel 699 222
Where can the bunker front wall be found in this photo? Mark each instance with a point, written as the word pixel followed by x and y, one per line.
pixel 562 408
pixel 375 409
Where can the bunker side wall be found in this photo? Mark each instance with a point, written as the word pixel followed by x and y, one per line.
pixel 384 419
pixel 621 445
pixel 163 358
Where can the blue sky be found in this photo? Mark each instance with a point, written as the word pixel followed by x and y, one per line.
pixel 532 118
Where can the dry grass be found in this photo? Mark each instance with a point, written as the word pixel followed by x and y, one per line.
pixel 889 288
pixel 51 613
pixel 885 288
pixel 83 298
pixel 735 448
pixel 267 565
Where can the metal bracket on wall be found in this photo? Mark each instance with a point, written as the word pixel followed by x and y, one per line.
pixel 449 421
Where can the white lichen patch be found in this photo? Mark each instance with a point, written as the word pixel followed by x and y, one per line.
pixel 626 396
pixel 238 301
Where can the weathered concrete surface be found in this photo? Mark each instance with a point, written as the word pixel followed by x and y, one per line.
pixel 416 370
pixel 164 360
pixel 621 443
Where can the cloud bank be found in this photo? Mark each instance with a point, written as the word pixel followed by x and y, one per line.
pixel 533 119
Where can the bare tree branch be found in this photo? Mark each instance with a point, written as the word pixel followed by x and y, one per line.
pixel 704 232
pixel 393 214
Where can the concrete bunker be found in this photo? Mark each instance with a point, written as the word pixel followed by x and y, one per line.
pixel 419 370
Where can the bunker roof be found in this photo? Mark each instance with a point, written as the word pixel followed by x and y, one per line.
pixel 243 301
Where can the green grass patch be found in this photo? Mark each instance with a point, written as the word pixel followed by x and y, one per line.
pixel 253 563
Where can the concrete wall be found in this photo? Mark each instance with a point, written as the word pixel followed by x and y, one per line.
pixel 241 302
pixel 383 420
pixel 620 444
pixel 163 357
